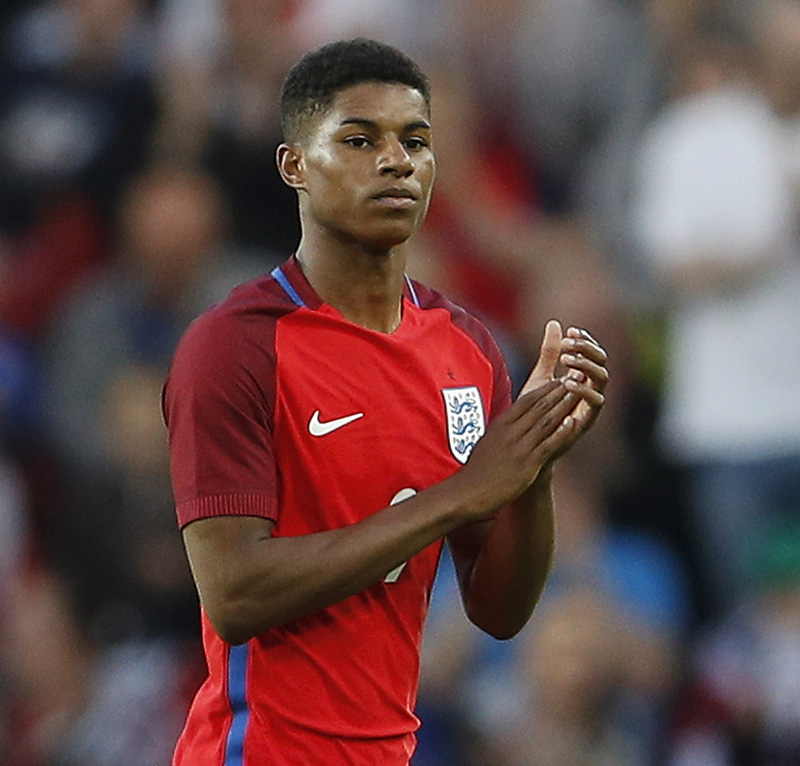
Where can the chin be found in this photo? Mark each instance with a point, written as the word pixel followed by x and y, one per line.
pixel 389 239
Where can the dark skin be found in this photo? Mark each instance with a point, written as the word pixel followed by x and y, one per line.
pixel 363 171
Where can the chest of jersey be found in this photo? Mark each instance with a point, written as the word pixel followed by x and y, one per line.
pixel 363 419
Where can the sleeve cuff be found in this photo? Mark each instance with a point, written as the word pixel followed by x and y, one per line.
pixel 208 506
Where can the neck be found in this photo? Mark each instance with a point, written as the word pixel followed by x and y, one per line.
pixel 365 285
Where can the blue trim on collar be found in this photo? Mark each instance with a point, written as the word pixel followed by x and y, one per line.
pixel 283 281
pixel 413 292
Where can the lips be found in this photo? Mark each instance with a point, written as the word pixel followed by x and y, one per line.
pixel 395 192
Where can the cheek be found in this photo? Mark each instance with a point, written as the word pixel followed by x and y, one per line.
pixel 334 199
pixel 427 174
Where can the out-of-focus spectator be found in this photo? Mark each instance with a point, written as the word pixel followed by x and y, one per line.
pixel 76 115
pixel 42 263
pixel 505 259
pixel 77 107
pixel 220 89
pixel 741 705
pixel 573 666
pixel 114 536
pixel 74 703
pixel 643 584
pixel 777 28
pixel 715 217
pixel 577 71
pixel 14 552
pixel 172 262
pixel 575 82
pixel 471 686
pixel 392 21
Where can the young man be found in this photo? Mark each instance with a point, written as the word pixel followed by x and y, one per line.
pixel 331 423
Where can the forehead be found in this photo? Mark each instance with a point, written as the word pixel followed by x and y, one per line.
pixel 387 104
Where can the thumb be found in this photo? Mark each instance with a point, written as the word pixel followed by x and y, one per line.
pixel 549 353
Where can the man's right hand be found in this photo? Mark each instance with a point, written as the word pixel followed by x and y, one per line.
pixel 518 444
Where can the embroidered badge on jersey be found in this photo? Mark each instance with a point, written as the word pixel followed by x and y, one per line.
pixel 465 419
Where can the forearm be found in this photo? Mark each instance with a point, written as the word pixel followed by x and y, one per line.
pixel 249 581
pixel 271 580
pixel 513 563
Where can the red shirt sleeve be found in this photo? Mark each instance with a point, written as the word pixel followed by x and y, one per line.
pixel 218 406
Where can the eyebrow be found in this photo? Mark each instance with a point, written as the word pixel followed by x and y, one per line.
pixel 418 125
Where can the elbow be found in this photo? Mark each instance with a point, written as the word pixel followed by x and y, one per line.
pixel 238 619
pixel 232 635
pixel 226 625
pixel 500 632
pixel 498 626
pixel 232 619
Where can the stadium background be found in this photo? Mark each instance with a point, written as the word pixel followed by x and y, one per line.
pixel 137 185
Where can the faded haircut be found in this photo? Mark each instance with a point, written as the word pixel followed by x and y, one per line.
pixel 313 82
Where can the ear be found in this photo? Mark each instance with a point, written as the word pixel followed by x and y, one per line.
pixel 291 165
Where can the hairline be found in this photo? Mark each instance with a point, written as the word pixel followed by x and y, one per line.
pixel 319 109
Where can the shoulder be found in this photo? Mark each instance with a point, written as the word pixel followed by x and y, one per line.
pixel 232 340
pixel 248 314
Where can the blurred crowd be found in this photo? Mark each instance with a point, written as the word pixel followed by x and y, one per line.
pixel 631 166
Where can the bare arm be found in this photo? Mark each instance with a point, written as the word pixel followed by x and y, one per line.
pixel 503 564
pixel 249 581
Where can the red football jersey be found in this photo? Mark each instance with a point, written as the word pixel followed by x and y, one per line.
pixel 277 406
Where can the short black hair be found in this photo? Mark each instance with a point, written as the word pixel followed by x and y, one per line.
pixel 314 81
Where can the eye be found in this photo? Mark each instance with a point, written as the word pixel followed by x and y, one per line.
pixel 415 143
pixel 357 142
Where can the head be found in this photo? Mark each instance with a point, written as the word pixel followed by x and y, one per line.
pixel 172 220
pixel 313 83
pixel 357 143
pixel 576 655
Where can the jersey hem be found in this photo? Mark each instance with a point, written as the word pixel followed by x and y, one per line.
pixel 208 506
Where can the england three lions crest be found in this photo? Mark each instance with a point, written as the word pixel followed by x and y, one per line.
pixel 465 420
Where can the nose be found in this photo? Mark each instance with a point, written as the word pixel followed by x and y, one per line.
pixel 395 159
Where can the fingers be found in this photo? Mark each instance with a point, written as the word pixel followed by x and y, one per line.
pixel 594 398
pixel 550 432
pixel 538 400
pixel 560 440
pixel 580 342
pixel 582 371
pixel 551 347
pixel 543 410
pixel 585 359
pixel 569 404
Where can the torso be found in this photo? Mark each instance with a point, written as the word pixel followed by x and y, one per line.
pixel 358 420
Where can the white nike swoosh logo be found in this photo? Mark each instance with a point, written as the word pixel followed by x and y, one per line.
pixel 317 428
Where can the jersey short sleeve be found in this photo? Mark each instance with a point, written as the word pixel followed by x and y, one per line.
pixel 217 405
